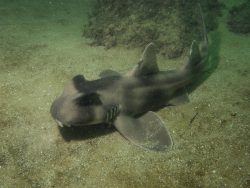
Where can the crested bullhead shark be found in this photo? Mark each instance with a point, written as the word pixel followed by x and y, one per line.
pixel 129 102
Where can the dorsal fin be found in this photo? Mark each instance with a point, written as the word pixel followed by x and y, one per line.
pixel 194 56
pixel 198 53
pixel 147 64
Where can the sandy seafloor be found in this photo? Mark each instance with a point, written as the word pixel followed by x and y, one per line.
pixel 41 48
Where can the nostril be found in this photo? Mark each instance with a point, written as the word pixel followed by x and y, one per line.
pixel 59 123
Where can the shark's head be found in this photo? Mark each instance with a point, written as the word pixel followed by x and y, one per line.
pixel 74 108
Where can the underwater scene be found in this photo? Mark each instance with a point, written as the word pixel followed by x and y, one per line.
pixel 123 93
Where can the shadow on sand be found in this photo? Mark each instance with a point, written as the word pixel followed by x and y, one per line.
pixel 85 132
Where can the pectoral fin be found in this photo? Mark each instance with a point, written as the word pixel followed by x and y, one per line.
pixel 147 131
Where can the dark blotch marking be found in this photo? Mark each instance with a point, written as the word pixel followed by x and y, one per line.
pixel 89 99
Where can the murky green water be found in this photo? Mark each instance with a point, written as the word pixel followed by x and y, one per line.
pixel 41 48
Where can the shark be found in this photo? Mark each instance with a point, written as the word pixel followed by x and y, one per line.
pixel 130 102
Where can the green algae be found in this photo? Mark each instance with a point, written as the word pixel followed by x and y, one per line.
pixel 238 20
pixel 172 25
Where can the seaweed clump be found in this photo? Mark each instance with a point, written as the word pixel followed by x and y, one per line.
pixel 238 20
pixel 172 25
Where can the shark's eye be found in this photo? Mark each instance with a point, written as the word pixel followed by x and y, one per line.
pixel 89 99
